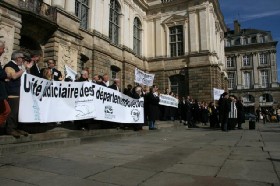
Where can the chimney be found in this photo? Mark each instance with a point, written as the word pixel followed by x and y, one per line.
pixel 236 27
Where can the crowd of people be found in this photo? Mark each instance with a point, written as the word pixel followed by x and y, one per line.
pixel 228 114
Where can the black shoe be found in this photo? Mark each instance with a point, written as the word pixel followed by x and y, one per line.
pixel 240 128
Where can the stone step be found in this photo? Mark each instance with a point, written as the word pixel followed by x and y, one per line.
pixel 31 146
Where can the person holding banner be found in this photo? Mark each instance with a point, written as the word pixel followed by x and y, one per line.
pixel 14 69
pixel 56 74
pixel 152 99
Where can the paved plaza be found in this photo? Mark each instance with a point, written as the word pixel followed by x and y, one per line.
pixel 172 156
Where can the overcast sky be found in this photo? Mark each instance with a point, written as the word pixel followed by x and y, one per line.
pixel 257 14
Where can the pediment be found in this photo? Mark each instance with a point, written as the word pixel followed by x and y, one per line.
pixel 174 18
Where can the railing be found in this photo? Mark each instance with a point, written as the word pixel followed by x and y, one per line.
pixel 38 7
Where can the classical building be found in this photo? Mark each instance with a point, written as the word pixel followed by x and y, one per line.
pixel 180 41
pixel 251 67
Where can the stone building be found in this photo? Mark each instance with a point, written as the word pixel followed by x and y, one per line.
pixel 251 67
pixel 180 41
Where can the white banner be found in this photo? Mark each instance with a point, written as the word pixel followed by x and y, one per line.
pixel 50 101
pixel 168 100
pixel 217 93
pixel 144 78
pixel 70 73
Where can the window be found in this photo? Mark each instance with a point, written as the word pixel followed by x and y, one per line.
pixel 114 73
pixel 227 43
pixel 237 41
pixel 261 39
pixel 137 36
pixel 176 41
pixel 114 27
pixel 230 62
pixel 246 60
pixel 264 78
pixel 254 39
pixel 247 79
pixel 244 41
pixel 263 59
pixel 231 80
pixel 81 11
pixel 178 85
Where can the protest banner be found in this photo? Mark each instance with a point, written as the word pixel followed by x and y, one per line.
pixel 51 101
pixel 144 78
pixel 217 93
pixel 168 100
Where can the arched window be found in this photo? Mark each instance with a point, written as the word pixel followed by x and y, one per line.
pixel 137 26
pixel 81 11
pixel 114 25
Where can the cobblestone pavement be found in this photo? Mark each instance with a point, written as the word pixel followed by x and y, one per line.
pixel 170 156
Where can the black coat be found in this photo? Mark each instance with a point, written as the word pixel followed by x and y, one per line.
pixel 182 110
pixel 35 71
pixel 152 106
pixel 56 74
pixel 3 92
pixel 240 112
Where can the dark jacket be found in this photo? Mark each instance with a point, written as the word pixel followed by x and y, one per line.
pixel 13 86
pixel 113 86
pixel 240 112
pixel 56 74
pixel 3 76
pixel 152 106
pixel 35 71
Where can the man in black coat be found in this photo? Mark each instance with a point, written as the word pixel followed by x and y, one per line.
pixel 35 69
pixel 15 69
pixel 152 101
pixel 115 85
pixel 56 74
pixel 224 109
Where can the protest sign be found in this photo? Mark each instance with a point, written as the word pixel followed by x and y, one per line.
pixel 168 100
pixel 144 78
pixel 217 93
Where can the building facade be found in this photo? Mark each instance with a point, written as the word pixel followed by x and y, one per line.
pixel 251 67
pixel 180 41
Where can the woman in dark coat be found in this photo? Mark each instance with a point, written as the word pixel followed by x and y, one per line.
pixel 152 101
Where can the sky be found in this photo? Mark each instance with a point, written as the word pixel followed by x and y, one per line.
pixel 256 14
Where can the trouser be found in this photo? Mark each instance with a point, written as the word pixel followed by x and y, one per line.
pixel 152 124
pixel 224 123
pixel 5 110
pixel 12 120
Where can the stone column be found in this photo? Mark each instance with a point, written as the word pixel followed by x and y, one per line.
pixel 70 6
pixel 58 3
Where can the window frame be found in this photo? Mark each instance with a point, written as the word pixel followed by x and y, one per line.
pixel 231 80
pixel 264 78
pixel 81 5
pixel 246 60
pixel 114 21
pixel 137 40
pixel 263 59
pixel 176 45
pixel 247 82
pixel 231 61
